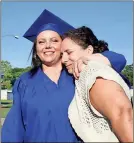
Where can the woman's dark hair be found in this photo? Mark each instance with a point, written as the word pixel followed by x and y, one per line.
pixel 84 37
pixel 36 62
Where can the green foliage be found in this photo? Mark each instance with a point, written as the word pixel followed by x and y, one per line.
pixel 128 72
pixel 6 84
pixel 10 74
pixel 6 69
pixel 16 72
pixel 6 66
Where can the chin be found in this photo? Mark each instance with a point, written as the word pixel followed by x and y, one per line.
pixel 70 71
pixel 48 60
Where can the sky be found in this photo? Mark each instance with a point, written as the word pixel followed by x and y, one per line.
pixel 110 21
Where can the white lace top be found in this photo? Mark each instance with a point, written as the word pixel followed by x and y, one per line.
pixel 88 123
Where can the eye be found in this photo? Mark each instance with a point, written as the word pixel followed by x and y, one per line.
pixel 55 40
pixel 69 52
pixel 40 42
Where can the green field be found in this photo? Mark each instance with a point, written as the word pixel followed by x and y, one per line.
pixel 6 101
pixel 5 107
pixel 4 112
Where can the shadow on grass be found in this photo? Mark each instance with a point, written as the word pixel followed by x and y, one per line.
pixel 6 103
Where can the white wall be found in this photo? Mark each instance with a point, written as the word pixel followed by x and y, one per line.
pixel 4 94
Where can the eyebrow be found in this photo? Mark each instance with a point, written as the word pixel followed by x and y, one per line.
pixel 54 37
pixel 45 39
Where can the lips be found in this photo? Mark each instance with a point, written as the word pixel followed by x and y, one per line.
pixel 49 52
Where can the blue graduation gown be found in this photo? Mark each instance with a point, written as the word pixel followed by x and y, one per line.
pixel 118 62
pixel 40 109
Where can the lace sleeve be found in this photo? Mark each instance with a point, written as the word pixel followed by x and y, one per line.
pixel 94 70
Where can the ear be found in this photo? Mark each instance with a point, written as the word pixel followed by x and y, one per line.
pixel 90 49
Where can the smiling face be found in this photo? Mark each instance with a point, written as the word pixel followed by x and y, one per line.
pixel 71 52
pixel 48 47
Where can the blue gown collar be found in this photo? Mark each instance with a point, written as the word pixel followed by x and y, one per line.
pixel 43 79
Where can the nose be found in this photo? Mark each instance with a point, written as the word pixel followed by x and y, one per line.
pixel 64 58
pixel 48 44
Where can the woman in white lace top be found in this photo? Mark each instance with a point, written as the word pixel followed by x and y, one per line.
pixel 101 110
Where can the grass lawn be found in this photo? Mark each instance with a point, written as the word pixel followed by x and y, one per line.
pixel 6 101
pixel 5 107
pixel 4 112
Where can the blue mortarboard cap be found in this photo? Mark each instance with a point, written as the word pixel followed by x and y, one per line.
pixel 47 21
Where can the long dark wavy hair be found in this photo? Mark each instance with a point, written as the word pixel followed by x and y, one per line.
pixel 84 37
pixel 36 62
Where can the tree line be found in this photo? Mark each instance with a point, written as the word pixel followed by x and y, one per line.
pixel 10 74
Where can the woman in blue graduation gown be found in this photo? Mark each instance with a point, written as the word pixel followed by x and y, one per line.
pixel 42 96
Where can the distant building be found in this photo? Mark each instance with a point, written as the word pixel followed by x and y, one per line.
pixel 2 75
pixel 6 94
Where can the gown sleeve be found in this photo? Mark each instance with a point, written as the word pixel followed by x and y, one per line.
pixel 13 127
pixel 117 61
